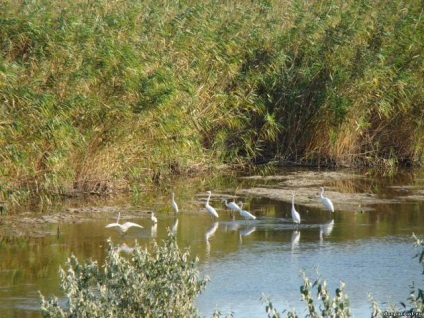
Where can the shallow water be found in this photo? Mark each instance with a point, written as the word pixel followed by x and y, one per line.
pixel 371 251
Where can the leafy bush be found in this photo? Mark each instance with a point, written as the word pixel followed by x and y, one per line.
pixel 161 283
pixel 165 283
pixel 337 306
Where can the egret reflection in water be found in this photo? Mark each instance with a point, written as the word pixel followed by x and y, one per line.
pixel 174 227
pixel 125 248
pixel 246 232
pixel 325 229
pixel 209 233
pixel 231 226
pixel 154 230
pixel 295 238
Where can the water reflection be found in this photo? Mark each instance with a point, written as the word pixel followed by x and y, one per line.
pixel 154 230
pixel 174 227
pixel 246 232
pixel 125 248
pixel 209 233
pixel 295 238
pixel 325 229
pixel 247 258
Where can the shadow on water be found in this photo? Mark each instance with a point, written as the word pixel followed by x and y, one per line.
pixel 369 250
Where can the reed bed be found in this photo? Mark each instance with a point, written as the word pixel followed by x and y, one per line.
pixel 100 95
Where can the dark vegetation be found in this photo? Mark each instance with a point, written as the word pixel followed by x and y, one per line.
pixel 99 95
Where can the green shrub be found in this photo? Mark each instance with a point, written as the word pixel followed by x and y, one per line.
pixel 338 306
pixel 161 283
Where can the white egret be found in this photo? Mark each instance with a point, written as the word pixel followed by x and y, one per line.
pixel 153 217
pixel 211 210
pixel 232 206
pixel 326 201
pixel 246 214
pixel 294 213
pixel 123 228
pixel 174 204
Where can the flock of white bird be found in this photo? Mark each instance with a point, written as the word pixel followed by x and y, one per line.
pixel 234 207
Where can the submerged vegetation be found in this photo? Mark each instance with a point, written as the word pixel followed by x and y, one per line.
pixel 97 95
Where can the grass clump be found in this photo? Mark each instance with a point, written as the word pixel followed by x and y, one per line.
pixel 163 283
pixel 102 95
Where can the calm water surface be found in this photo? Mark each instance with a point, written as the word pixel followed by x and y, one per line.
pixel 372 252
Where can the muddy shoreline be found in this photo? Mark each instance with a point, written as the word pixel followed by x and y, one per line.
pixel 305 185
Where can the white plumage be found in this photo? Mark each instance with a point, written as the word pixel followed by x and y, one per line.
pixel 123 228
pixel 294 213
pixel 232 206
pixel 246 214
pixel 326 201
pixel 211 210
pixel 153 217
pixel 174 204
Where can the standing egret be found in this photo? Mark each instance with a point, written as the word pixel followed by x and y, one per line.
pixel 211 210
pixel 232 206
pixel 174 204
pixel 247 215
pixel 123 228
pixel 326 201
pixel 153 217
pixel 294 213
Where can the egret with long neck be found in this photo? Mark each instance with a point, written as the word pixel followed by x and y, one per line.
pixel 326 201
pixel 210 209
pixel 294 213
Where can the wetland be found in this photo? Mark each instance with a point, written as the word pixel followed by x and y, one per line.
pixel 366 242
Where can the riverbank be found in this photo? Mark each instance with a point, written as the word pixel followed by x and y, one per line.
pixel 305 184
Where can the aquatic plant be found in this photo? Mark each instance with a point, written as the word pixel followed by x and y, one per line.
pixel 100 96
pixel 339 306
pixel 160 283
